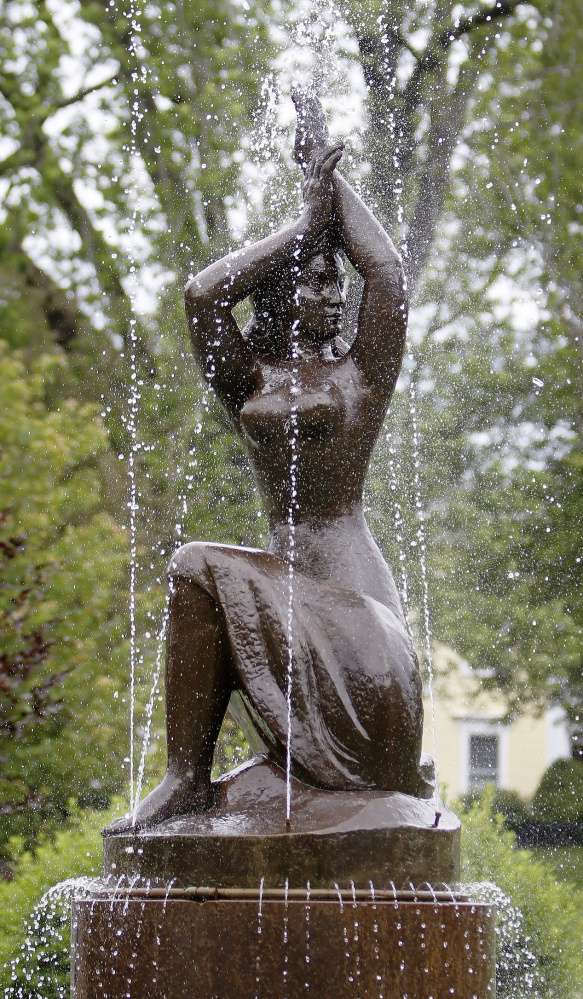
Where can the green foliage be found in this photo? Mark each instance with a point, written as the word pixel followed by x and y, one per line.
pixel 500 800
pixel 40 942
pixel 232 748
pixel 190 82
pixel 135 171
pixel 559 796
pixel 548 913
pixel 496 373
pixel 566 862
pixel 62 567
pixel 138 172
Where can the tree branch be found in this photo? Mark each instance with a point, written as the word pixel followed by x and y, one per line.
pixel 33 800
pixel 65 321
pixel 80 95
pixel 443 135
pixel 398 36
pixel 430 59
pixel 98 252
pixel 33 138
pixel 501 9
pixel 45 113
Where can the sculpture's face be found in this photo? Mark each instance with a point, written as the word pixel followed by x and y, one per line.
pixel 318 298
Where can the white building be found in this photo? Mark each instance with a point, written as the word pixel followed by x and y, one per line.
pixel 474 745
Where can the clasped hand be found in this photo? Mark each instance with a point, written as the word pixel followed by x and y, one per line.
pixel 318 188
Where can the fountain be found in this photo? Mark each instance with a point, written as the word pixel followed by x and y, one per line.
pixel 327 865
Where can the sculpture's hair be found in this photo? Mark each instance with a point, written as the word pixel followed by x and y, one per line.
pixel 266 332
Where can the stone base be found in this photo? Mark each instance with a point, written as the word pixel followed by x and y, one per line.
pixel 192 949
pixel 389 838
pixel 192 923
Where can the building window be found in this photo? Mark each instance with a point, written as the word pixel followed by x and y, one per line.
pixel 484 760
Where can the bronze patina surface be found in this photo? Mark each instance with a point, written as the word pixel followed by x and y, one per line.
pixel 320 603
pixel 383 838
pixel 214 950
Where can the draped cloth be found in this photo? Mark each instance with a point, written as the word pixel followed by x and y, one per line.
pixel 356 714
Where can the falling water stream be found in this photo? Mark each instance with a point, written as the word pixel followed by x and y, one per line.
pixel 308 939
pixel 133 507
pixel 259 938
pixel 422 549
pixel 398 520
pixel 132 13
pixel 291 557
pixel 285 975
pixel 161 640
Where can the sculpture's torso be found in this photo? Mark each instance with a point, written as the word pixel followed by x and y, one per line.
pixel 309 428
pixel 326 407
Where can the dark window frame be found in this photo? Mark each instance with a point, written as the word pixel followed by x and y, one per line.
pixel 483 759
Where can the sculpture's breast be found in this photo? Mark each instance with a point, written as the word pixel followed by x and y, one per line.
pixel 306 433
pixel 294 407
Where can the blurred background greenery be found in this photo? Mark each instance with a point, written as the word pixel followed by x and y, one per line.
pixel 127 163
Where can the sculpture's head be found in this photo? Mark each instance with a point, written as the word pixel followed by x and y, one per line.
pixel 304 303
pixel 318 297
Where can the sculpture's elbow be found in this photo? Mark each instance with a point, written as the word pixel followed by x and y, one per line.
pixel 193 296
pixel 391 274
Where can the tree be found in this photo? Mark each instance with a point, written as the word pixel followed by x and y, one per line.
pixel 496 376
pixel 422 64
pixel 133 158
pixel 124 130
pixel 62 608
pixel 473 147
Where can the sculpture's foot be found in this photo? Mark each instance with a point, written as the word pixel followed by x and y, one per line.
pixel 311 128
pixel 175 795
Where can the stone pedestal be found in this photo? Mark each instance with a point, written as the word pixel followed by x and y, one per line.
pixel 232 904
pixel 387 838
pixel 187 949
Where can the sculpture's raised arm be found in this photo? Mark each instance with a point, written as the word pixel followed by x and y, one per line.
pixel 221 351
pixel 382 321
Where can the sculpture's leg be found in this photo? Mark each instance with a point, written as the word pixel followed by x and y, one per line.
pixel 199 682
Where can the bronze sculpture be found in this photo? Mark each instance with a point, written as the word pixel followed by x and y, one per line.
pixel 218 894
pixel 308 408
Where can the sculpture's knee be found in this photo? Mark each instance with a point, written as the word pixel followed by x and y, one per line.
pixel 189 561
